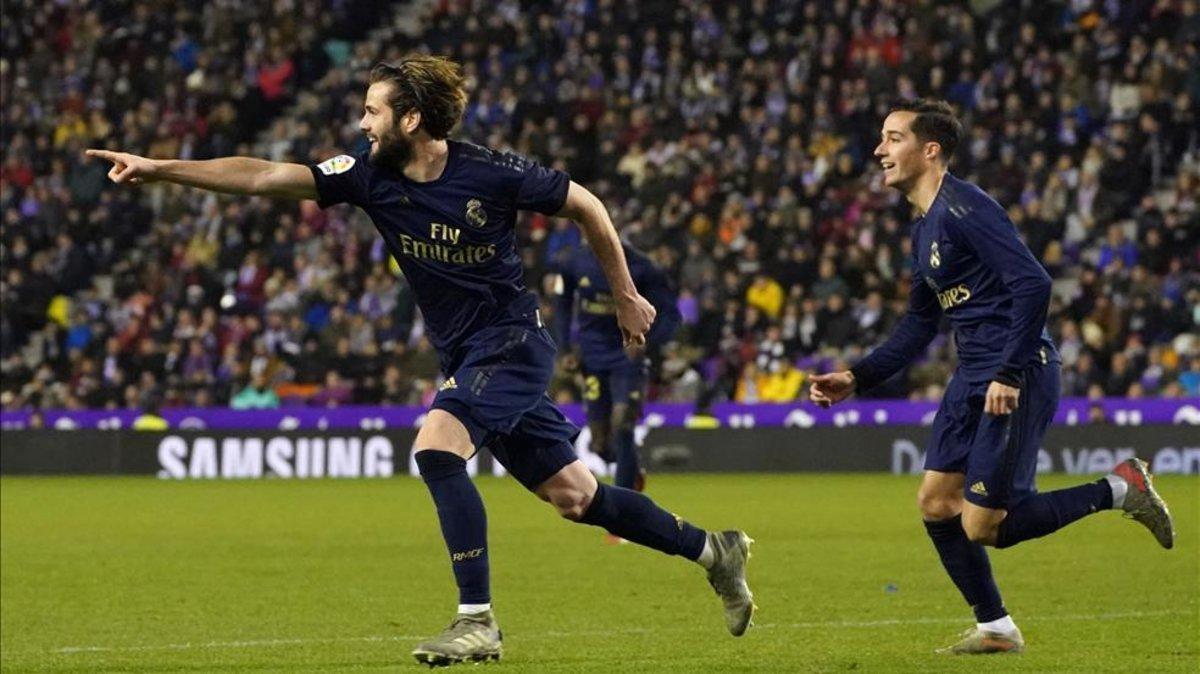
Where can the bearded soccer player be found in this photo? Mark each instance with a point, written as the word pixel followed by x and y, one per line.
pixel 614 375
pixel 978 488
pixel 446 211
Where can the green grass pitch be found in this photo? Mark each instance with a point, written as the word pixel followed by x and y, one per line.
pixel 141 575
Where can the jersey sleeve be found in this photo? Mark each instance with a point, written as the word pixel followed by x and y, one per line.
pixel 540 189
pixel 344 179
pixel 913 333
pixel 988 232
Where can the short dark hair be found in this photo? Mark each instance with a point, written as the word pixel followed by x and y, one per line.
pixel 935 123
pixel 431 85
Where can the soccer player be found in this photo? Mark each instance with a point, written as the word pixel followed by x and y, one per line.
pixel 614 376
pixel 446 211
pixel 978 488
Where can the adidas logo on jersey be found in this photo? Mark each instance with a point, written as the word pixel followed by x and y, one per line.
pixel 448 384
pixel 979 488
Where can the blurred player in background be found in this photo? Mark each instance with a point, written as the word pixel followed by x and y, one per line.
pixel 970 265
pixel 447 210
pixel 614 375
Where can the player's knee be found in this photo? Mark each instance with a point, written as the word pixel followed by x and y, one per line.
pixel 626 417
pixel 601 442
pixel 600 438
pixel 938 505
pixel 443 432
pixel 570 490
pixel 983 533
pixel 571 503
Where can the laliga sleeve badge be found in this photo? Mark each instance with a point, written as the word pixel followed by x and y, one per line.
pixel 339 164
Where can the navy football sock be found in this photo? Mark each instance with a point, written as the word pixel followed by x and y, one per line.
pixel 969 568
pixel 636 518
pixel 627 458
pixel 1042 514
pixel 463 519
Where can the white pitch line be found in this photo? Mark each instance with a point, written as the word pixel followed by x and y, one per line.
pixel 248 643
pixel 887 622
pixel 949 621
pixel 838 624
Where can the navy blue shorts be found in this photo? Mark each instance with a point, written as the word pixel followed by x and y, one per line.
pixel 621 385
pixel 498 392
pixel 997 453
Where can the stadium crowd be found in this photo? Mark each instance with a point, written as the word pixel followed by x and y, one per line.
pixel 730 140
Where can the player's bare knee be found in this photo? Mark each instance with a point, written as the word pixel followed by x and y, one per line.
pixel 444 432
pixel 570 490
pixel 571 503
pixel 627 417
pixel 600 441
pixel 935 506
pixel 983 533
pixel 600 438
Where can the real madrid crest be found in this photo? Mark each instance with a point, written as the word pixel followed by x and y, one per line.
pixel 935 259
pixel 475 213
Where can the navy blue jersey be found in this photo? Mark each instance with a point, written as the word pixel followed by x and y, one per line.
pixel 969 264
pixel 454 236
pixel 586 292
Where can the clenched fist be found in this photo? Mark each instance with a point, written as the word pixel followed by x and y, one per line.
pixel 1001 399
pixel 635 316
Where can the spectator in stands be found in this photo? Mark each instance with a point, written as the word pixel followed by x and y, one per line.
pixel 1190 380
pixel 258 395
pixel 150 419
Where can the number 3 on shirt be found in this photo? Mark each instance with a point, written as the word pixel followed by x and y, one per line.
pixel 591 388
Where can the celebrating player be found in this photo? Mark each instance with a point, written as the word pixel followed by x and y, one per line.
pixel 446 211
pixel 615 376
pixel 978 487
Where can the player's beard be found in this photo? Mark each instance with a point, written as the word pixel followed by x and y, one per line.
pixel 393 149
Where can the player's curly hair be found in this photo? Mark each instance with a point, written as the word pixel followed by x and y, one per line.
pixel 935 123
pixel 431 85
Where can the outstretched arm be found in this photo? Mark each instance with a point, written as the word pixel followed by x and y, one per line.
pixel 232 175
pixel 634 313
